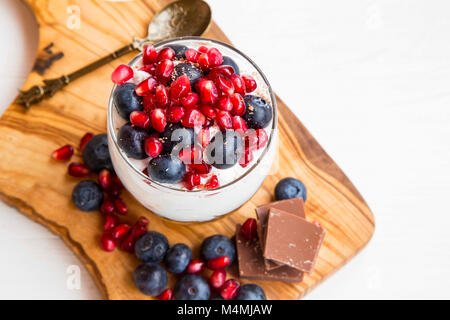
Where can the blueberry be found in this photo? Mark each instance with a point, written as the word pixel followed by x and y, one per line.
pixel 225 149
pixel 166 169
pixel 227 61
pixel 175 135
pixel 192 287
pixel 150 279
pixel 258 113
pixel 217 246
pixel 96 154
pixel 251 292
pixel 179 51
pixel 186 68
pixel 126 100
pixel 289 188
pixel 178 258
pixel 151 247
pixel 131 140
pixel 87 195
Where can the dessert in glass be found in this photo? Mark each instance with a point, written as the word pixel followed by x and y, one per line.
pixel 192 128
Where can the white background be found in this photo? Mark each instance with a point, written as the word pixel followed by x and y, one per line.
pixel 371 81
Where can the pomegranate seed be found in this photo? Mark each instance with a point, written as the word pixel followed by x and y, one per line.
pixel 238 102
pixel 262 138
pixel 224 103
pixel 122 74
pixel 107 243
pixel 164 70
pixel 105 179
pixel 251 140
pixel 149 103
pixel 201 168
pixel 191 154
pixel 137 231
pixel 195 266
pixel 140 119
pixel 193 118
pixel 153 146
pixel 149 68
pixel 238 84
pixel 239 124
pixel 174 114
pixel 88 136
pixel 120 231
pixel 167 294
pixel 215 58
pixel 110 222
pixel 208 92
pixel 146 87
pixel 162 96
pixel 212 183
pixel 250 83
pixel 114 190
pixel 203 49
pixel 208 111
pixel 223 120
pixel 165 53
pixel 203 61
pixel 219 263
pixel 190 100
pixel 230 289
pixel 150 54
pixel 247 158
pixel 217 279
pixel 78 170
pixel 107 207
pixel 159 120
pixel 225 71
pixel 180 88
pixel 191 180
pixel 248 229
pixel 224 85
pixel 120 206
pixel 204 137
pixel 63 153
pixel 117 181
pixel 192 55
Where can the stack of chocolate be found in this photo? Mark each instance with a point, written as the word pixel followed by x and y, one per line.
pixel 287 244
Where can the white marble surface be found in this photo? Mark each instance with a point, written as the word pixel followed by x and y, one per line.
pixel 369 78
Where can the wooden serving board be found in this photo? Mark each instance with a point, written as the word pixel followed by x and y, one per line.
pixel 41 188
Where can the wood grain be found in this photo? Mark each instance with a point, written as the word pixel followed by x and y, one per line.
pixel 40 188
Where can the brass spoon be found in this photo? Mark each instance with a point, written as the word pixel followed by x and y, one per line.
pixel 178 19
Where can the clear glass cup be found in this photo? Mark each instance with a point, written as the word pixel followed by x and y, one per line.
pixel 196 205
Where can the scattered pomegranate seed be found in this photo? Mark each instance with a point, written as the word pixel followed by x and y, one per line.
pixel 190 100
pixel 212 183
pixel 223 120
pixel 224 85
pixel 215 58
pixel 105 179
pixel 114 190
pixel 146 87
pixel 239 124
pixel 120 231
pixel 225 71
pixel 219 263
pixel 149 103
pixel 162 96
pixel 150 54
pixel 78 170
pixel 110 221
pixel 120 206
pixel 208 111
pixel 167 294
pixel 250 83
pixel 137 231
pixel 122 74
pixel 153 146
pixel 203 61
pixel 180 88
pixel 224 103
pixel 107 243
pixel 85 139
pixel 195 266
pixel 149 68
pixel 217 279
pixel 117 181
pixel 193 118
pixel 159 120
pixel 248 229
pixel 246 158
pixel 204 137
pixel 191 180
pixel 191 154
pixel 262 138
pixel 107 207
pixel 230 289
pixel 63 153
pixel 140 119
pixel 164 70
pixel 192 55
pixel 239 85
pixel 174 114
pixel 238 102
pixel 165 53
pixel 201 168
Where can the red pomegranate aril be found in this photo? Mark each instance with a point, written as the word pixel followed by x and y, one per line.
pixel 262 138
pixel 246 158
pixel 165 53
pixel 203 61
pixel 208 111
pixel 190 100
pixel 239 85
pixel 153 146
pixel 191 154
pixel 212 183
pixel 149 103
pixel 150 54
pixel 204 137
pixel 77 169
pixel 167 294
pixel 224 103
pixel 120 231
pixel 146 87
pixel 226 71
pixel 140 119
pixel 203 49
pixel 191 180
pixel 223 120
pixel 208 92
pixel 159 120
pixel 116 180
pixel 63 153
pixel 107 243
pixel 162 96
pixel 250 83
pixel 201 168
pixel 238 102
pixel 122 74
pixel 195 266
pixel 192 55
pixel 120 206
pixel 105 179
pixel 230 289
pixel 193 118
pixel 85 139
pixel 239 124
pixel 219 263
pixel 215 58
pixel 179 89
pixel 111 221
pixel 248 229
pixel 174 114
pixel 137 231
pixel 107 207
pixel 251 140
pixel 217 279
pixel 150 69
pixel 164 70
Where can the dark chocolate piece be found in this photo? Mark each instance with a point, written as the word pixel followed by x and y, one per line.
pixel 251 262
pixel 294 206
pixel 292 241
